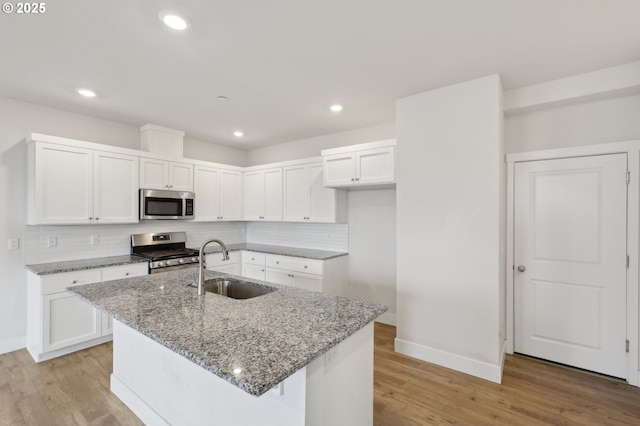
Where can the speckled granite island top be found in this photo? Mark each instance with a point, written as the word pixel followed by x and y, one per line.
pixel 83 264
pixel 268 337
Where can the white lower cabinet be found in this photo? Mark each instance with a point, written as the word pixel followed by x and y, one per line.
pixel 253 265
pixel 60 323
pixel 67 321
pixel 329 276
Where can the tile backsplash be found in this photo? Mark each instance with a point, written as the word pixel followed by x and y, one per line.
pixel 320 236
pixel 74 241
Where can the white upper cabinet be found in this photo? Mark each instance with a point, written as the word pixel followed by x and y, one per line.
pixel 60 184
pixel 231 200
pixel 218 194
pixel 115 195
pixel 71 185
pixel 263 194
pixel 306 199
pixel 365 165
pixel 161 174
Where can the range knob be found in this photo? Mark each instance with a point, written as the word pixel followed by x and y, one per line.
pixel 181 261
pixel 162 264
pixel 194 259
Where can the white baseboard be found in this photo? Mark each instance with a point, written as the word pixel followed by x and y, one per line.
pixel 13 344
pixel 456 362
pixel 140 408
pixel 387 318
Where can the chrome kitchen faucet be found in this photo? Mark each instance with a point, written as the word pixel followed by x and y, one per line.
pixel 225 256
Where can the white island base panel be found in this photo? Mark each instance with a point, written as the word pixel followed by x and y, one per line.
pixel 164 388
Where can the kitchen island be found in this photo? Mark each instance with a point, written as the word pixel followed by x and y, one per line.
pixel 287 357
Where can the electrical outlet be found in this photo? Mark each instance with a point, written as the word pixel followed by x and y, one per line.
pixel 95 240
pixel 13 244
pixel 52 241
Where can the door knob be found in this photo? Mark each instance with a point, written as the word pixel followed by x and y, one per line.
pixel 521 268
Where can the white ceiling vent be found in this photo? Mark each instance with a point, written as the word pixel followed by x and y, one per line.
pixel 161 140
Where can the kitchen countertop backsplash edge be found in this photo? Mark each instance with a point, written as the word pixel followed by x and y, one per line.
pixel 105 262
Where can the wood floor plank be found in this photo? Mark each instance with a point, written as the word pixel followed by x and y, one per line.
pixel 74 390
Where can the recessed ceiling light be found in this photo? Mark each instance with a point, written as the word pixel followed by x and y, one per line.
pixel 238 134
pixel 222 98
pixel 174 20
pixel 336 108
pixel 87 93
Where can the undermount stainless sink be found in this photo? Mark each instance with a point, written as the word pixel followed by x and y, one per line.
pixel 235 289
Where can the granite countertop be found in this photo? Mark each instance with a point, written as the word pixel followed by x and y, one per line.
pixel 83 264
pixel 268 337
pixel 103 262
pixel 278 250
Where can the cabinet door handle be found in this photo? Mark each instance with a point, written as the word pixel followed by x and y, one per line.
pixel 353 180
pixel 74 282
pixel 90 218
pixel 126 274
pixel 97 218
pixel 357 179
pixel 305 266
pixel 277 263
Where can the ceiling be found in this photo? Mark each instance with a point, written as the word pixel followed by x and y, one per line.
pixel 282 63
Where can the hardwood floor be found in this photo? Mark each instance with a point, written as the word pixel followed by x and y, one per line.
pixel 74 390
pixel 69 390
pixel 411 392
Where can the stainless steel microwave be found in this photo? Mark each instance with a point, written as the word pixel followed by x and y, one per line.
pixel 161 204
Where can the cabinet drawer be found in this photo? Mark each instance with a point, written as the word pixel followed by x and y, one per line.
pixel 56 283
pixel 295 264
pixel 215 259
pixel 253 258
pixel 125 271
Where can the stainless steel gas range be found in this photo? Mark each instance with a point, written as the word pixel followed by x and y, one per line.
pixel 166 251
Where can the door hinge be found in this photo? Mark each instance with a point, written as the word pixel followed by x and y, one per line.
pixel 627 261
pixel 628 177
pixel 626 346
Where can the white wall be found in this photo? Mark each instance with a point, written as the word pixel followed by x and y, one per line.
pixel 449 157
pixel 372 248
pixel 586 123
pixel 311 147
pixel 207 151
pixel 17 119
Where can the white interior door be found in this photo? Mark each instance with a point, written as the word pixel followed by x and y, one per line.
pixel 570 261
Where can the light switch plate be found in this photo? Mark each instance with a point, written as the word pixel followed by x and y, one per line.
pixel 52 241
pixel 13 243
pixel 95 240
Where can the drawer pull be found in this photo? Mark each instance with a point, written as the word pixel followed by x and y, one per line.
pixel 305 266
pixel 74 281
pixel 127 274
pixel 277 263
